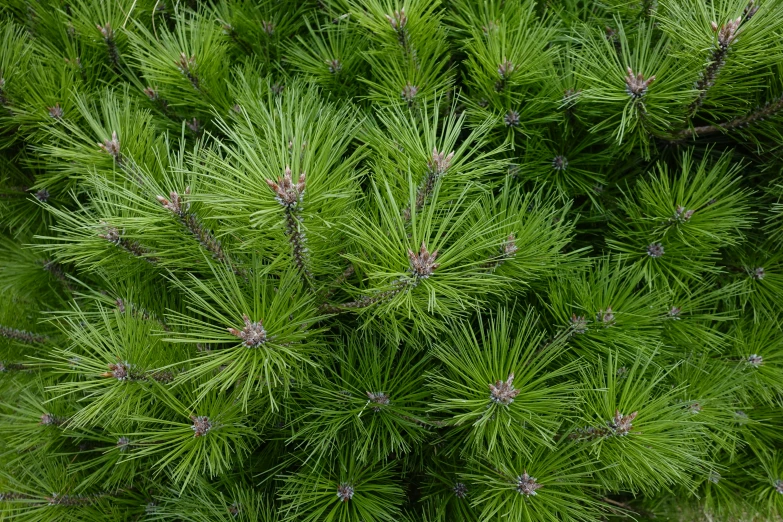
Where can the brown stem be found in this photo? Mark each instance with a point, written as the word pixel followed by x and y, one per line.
pixel 208 241
pixel 21 335
pixel 133 247
pixel 57 271
pixel 768 110
pixel 6 367
pixel 404 39
pixel 190 221
pixel 707 80
pixel 298 240
pixel 437 166
pixel 10 496
pixel 367 301
pixel 58 499
pixel 348 272
pixel 114 53
pixel 112 235
pixel 125 372
pixel 422 193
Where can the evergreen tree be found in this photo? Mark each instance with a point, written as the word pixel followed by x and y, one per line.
pixel 378 260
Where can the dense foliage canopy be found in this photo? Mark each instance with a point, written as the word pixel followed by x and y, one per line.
pixel 391 260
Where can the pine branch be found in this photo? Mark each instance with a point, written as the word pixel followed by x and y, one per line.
pixel 9 367
pixel 460 157
pixel 111 45
pixel 60 499
pixel 186 66
pixel 190 221
pixel 371 300
pixel 49 419
pixel 123 371
pixel 290 195
pixel 154 96
pixel 422 266
pixel 436 168
pixel 112 147
pixel 22 335
pixel 767 111
pixel 298 240
pixel 726 35
pixel 112 235
pixel 399 22
pixel 8 496
pixel 56 269
pixel 618 426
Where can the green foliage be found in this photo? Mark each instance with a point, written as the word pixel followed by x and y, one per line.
pixel 529 394
pixel 371 394
pixel 550 484
pixel 379 260
pixel 341 489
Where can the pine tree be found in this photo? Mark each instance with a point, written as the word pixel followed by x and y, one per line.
pixel 377 260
